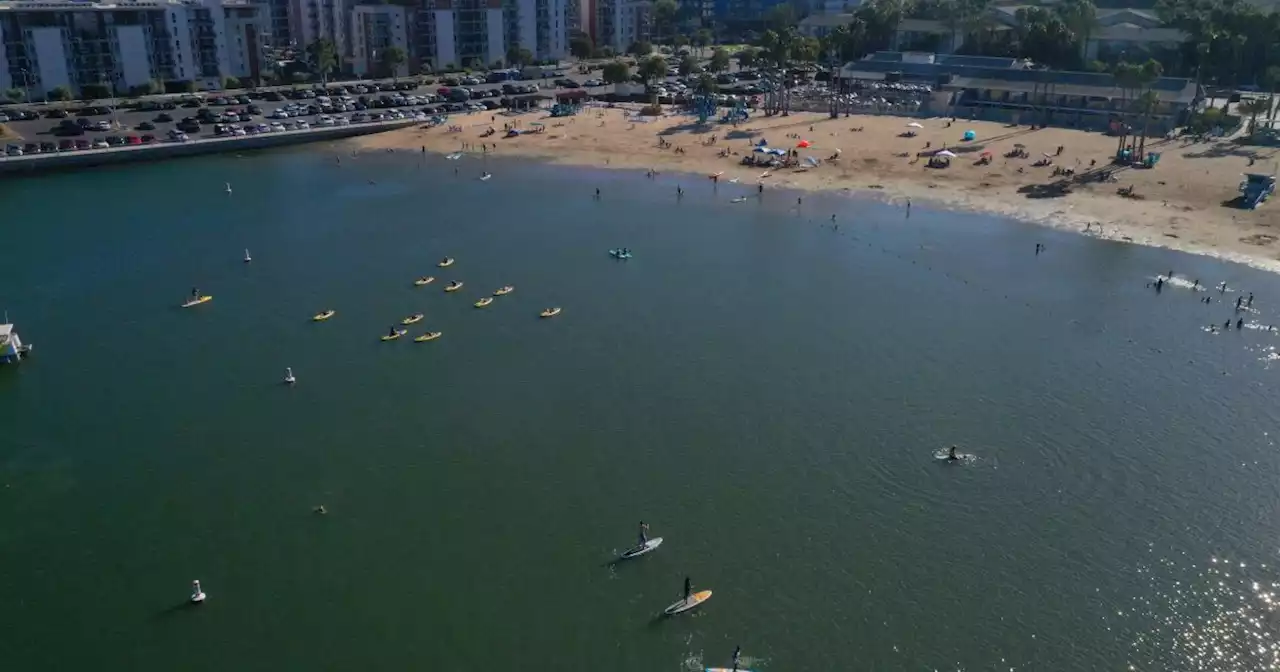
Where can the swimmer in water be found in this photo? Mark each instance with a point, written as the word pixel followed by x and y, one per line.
pixel 951 455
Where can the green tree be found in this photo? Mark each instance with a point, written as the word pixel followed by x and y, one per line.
pixel 707 84
pixel 689 65
pixel 616 72
pixel 580 45
pixel 322 56
pixel 1252 108
pixel 1145 106
pixel 518 55
pixel 14 95
pixel 392 58
pixel 719 61
pixel 806 49
pixel 1080 17
pixel 94 91
pixel 703 39
pixel 639 49
pixel 781 17
pixel 230 83
pixel 663 14
pixel 653 70
pixel 59 93
pixel 747 56
pixel 680 42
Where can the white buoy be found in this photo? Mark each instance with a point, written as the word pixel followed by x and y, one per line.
pixel 197 595
pixel 247 258
pixel 288 376
pixel 228 187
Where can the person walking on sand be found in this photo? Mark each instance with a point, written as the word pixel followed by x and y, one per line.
pixel 1239 323
pixel 1239 300
pixel 1249 303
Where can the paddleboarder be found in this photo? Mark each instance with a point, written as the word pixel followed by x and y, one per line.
pixel 951 455
pixel 688 589
pixel 737 657
pixel 644 534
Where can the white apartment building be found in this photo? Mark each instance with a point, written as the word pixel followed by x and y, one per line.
pixel 311 20
pixel 473 33
pixel 45 44
pixel 374 29
pixel 621 23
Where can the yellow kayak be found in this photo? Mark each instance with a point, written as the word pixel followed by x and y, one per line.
pixel 412 319
pixel 504 291
pixel 423 281
pixel 484 302
pixel 550 312
pixel 321 317
pixel 446 262
pixel 197 301
pixel 454 287
pixel 397 334
pixel 427 337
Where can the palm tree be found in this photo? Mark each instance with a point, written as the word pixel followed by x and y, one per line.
pixel 323 56
pixel 653 70
pixel 1081 16
pixel 1127 77
pixel 1146 105
pixel 1253 107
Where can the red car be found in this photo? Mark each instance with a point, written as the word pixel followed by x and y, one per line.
pixel 444 91
pixel 132 140
pixel 83 144
pixel 66 145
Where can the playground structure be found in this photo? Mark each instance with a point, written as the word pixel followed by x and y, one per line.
pixel 704 106
pixel 736 114
pixel 565 109
pixel 1256 189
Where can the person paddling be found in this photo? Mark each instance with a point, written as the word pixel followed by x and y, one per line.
pixel 737 657
pixel 951 455
pixel 644 534
pixel 688 589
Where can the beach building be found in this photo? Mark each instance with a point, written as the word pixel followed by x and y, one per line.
pixel 1011 90
pixel 46 44
pixel 374 29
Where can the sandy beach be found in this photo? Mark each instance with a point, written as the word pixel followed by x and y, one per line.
pixel 1180 203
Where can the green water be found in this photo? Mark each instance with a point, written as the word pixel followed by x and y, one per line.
pixel 766 392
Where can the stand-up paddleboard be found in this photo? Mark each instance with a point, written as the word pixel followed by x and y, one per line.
pixel 944 456
pixel 197 301
pixel 726 669
pixel 641 550
pixel 685 605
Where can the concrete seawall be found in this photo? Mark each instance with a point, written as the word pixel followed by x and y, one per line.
pixel 86 158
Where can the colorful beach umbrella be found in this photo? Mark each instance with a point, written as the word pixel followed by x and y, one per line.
pixel 802 143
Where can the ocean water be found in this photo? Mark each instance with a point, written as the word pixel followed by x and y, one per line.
pixel 766 391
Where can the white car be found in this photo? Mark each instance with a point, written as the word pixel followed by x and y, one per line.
pixel 102 126
pixel 279 114
pixel 302 125
pixel 238 131
pixel 100 144
pixel 277 127
pixel 263 128
pixel 324 121
pixel 342 121
pixel 359 117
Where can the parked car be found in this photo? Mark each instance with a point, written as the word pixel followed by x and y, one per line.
pixel 115 140
pixel 102 126
pixel 163 118
pixel 55 114
pixel 83 144
pixel 189 125
pixel 593 82
pixel 132 140
pixel 178 136
pixel 100 144
pixel 13 150
pixel 31 148
pixel 66 145
pixel 147 139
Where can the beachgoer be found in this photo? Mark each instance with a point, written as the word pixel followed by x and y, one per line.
pixel 759 188
pixel 597 192
pixel 1239 323
pixel 391 331
pixel 644 533
pixel 1249 302
pixel 688 589
pixel 195 293
pixel 737 657
pixel 1239 300
pixel 951 455
pixel 1226 325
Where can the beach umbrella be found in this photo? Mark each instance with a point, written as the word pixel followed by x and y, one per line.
pixel 914 125
pixel 947 153
pixel 802 143
pixel 760 149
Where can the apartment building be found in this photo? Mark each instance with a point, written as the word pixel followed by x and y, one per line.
pixel 374 29
pixel 45 44
pixel 621 23
pixel 473 33
pixel 312 20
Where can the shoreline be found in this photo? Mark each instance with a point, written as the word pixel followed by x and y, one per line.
pixel 1180 205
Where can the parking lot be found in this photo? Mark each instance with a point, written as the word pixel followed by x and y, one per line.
pixel 71 127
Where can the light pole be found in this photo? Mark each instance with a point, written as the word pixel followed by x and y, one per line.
pixel 26 85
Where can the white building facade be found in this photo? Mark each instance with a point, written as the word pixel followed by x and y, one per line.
pixel 374 29
pixel 476 33
pixel 46 44
pixel 621 23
